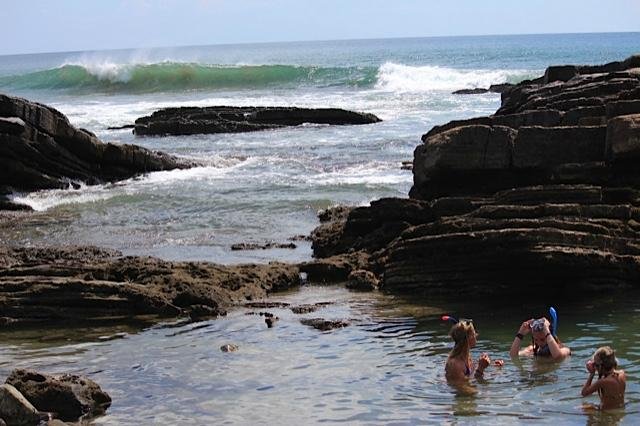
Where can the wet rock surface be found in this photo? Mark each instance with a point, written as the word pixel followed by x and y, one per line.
pixel 225 119
pixel 543 194
pixel 40 149
pixel 324 324
pixel 66 284
pixel 68 397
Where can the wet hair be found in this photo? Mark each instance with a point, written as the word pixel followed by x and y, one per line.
pixel 605 360
pixel 460 333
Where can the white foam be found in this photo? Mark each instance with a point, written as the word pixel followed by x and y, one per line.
pixel 404 78
pixel 217 169
pixel 373 173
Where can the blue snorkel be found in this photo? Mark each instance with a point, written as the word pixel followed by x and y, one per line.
pixel 554 321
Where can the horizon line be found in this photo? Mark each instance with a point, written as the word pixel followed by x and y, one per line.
pixel 313 41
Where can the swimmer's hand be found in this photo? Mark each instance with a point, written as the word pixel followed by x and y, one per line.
pixel 483 362
pixel 498 362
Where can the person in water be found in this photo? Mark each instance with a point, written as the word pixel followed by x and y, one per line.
pixel 611 382
pixel 460 365
pixel 543 342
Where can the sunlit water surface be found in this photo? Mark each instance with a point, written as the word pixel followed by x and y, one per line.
pixel 385 368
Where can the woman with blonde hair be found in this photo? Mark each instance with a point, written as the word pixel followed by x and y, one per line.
pixel 460 365
pixel 611 382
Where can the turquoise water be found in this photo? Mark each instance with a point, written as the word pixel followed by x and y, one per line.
pixel 386 368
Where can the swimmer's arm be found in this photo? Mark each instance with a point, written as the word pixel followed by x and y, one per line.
pixel 517 341
pixel 557 352
pixel 588 388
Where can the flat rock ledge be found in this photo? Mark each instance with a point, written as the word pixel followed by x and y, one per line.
pixel 225 119
pixel 40 149
pixel 68 284
pixel 544 195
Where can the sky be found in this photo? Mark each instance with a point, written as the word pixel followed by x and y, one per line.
pixel 33 26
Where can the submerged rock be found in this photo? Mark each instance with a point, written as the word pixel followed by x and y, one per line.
pixel 324 324
pixel 224 119
pixel 40 149
pixel 229 347
pixel 543 194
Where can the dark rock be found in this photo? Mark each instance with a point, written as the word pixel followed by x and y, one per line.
pixel 266 305
pixel 323 324
pixel 271 321
pixel 125 126
pixel 71 397
pixel 229 347
pixel 266 246
pixel 363 280
pixel 543 147
pixel 305 309
pixel 500 88
pixel 84 283
pixel 475 91
pixel 223 119
pixel 561 73
pixel 623 139
pixel 16 408
pixel 543 194
pixel 40 149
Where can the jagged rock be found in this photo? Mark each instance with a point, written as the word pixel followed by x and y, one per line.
pixel 474 91
pixel 90 284
pixel 224 119
pixel 69 396
pixel 40 149
pixel 15 408
pixel 543 194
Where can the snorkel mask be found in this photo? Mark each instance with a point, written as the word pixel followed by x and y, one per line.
pixel 537 325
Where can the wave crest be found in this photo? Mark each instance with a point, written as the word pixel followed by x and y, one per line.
pixel 107 77
pixel 404 78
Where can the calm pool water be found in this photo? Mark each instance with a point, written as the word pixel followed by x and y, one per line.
pixel 385 368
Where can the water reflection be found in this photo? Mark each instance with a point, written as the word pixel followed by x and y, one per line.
pixel 386 367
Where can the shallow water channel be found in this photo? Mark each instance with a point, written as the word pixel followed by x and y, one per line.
pixel 386 367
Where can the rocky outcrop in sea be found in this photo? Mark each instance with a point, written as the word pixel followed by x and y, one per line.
pixel 225 119
pixel 544 195
pixel 40 149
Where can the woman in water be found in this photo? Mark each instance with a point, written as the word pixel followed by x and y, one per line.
pixel 544 343
pixel 460 365
pixel 611 382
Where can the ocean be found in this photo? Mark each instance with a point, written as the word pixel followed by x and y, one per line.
pixel 266 186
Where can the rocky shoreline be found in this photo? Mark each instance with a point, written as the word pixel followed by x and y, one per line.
pixel 545 193
pixel 40 149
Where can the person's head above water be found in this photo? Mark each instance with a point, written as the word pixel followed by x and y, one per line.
pixel 604 359
pixel 464 336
